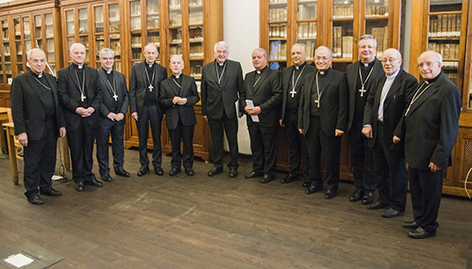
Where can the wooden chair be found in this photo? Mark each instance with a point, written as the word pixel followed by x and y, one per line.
pixel 18 146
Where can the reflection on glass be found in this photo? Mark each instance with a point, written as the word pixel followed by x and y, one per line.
pixel 376 8
pixel 152 14
pixel 69 22
pixel 26 26
pixel 37 27
pixel 307 10
pixel 343 8
pixel 49 28
pixel 114 15
pixel 5 30
pixel 17 28
pixel 135 15
pixel 83 24
pixel 51 57
pixel 99 28
pixel 195 15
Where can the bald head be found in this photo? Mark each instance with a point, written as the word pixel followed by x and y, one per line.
pixel 298 54
pixel 429 64
pixel 391 61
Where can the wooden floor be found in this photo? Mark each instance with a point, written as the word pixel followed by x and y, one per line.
pixel 203 222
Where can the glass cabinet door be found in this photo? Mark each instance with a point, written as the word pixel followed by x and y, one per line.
pixel 342 30
pixel 18 48
pixel 175 28
pixel 83 32
pixel 99 30
pixel 306 26
pixel 6 51
pixel 195 33
pixel 278 34
pixel 114 34
pixel 376 23
pixel 135 32
pixel 152 25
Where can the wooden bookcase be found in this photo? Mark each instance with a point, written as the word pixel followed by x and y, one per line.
pixel 337 24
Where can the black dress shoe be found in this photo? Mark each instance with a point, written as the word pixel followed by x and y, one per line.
pixel 174 171
pixel 266 179
pixel 410 225
pixel 36 200
pixel 306 184
pixel 391 213
pixel 233 173
pixel 94 182
pixel 106 177
pixel 376 205
pixel 215 171
pixel 356 196
pixel 189 172
pixel 289 178
pixel 253 175
pixel 419 233
pixel 122 173
pixel 368 198
pixel 51 192
pixel 159 171
pixel 79 186
pixel 313 189
pixel 329 194
pixel 143 170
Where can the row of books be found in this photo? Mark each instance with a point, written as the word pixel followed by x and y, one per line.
pixel 278 50
pixel 450 64
pixel 307 11
pixel 196 17
pixel 135 23
pixel 343 11
pixel 342 44
pixel 306 30
pixel 196 70
pixel 278 14
pixel 174 3
pixel 154 39
pixel 175 50
pixel 136 41
pixel 448 25
pixel 376 10
pixel 175 19
pixel 453 77
pixel 381 35
pixel 310 47
pixel 196 50
pixel 153 21
pixel 448 51
pixel 195 33
pixel 278 31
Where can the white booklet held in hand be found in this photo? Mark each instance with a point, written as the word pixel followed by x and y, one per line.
pixel 250 104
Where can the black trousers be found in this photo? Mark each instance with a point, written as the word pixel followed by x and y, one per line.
pixel 81 151
pixel 297 145
pixel 426 191
pixel 361 159
pixel 317 141
pixel 40 161
pixel 116 130
pixel 390 173
pixel 150 115
pixel 182 134
pixel 218 128
pixel 264 148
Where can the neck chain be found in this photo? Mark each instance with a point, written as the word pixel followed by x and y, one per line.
pixel 317 101
pixel 112 87
pixel 150 81
pixel 41 83
pixel 257 80
pixel 180 87
pixel 295 82
pixel 222 73
pixel 417 95
pixel 362 90
pixel 81 89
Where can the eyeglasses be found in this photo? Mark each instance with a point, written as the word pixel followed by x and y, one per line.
pixel 428 64
pixel 391 60
pixel 38 61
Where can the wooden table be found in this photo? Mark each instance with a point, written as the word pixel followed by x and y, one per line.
pixel 3 119
pixel 12 152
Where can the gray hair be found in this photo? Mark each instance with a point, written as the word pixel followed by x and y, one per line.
pixel 261 50
pixel 325 48
pixel 177 57
pixel 30 52
pixel 76 45
pixel 150 45
pixel 367 37
pixel 106 51
pixel 222 44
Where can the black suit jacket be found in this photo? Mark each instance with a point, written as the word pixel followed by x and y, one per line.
pixel 27 106
pixel 108 100
pixel 397 99
pixel 69 95
pixel 217 99
pixel 286 74
pixel 174 112
pixel 138 85
pixel 267 94
pixel 352 74
pixel 333 103
pixel 432 125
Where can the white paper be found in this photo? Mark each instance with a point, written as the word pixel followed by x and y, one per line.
pixel 250 104
pixel 19 260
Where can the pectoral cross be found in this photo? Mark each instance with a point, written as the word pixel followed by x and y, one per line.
pixel 150 88
pixel 293 92
pixel 115 97
pixel 317 102
pixel 82 97
pixel 362 91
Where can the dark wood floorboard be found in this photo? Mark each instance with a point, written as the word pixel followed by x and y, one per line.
pixel 203 222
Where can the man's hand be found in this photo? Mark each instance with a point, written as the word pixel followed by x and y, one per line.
pixel 23 139
pixel 120 116
pixel 396 139
pixel 300 130
pixel 434 168
pixel 135 116
pixel 205 117
pixel 338 132
pixel 62 132
pixel 367 131
pixel 111 116
pixel 253 111
pixel 281 123
pixel 80 110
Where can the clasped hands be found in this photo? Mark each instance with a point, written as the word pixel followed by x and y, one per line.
pixel 84 112
pixel 179 100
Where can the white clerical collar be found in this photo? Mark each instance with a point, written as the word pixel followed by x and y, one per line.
pixel 40 75
pixel 109 72
pixel 366 65
pixel 221 64
pixel 394 75
pixel 177 76
pixel 80 66
pixel 297 67
pixel 258 72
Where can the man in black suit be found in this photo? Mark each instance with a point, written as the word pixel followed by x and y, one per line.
pixel 383 112
pixel 260 97
pixel 222 80
pixel 292 78
pixel 431 122
pixel 81 96
pixel 178 96
pixel 112 112
pixel 360 80
pixel 144 90
pixel 38 120
pixel 322 118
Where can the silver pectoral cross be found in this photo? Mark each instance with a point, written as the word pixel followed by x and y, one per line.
pixel 150 88
pixel 293 92
pixel 362 91
pixel 115 97
pixel 82 97
pixel 317 102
